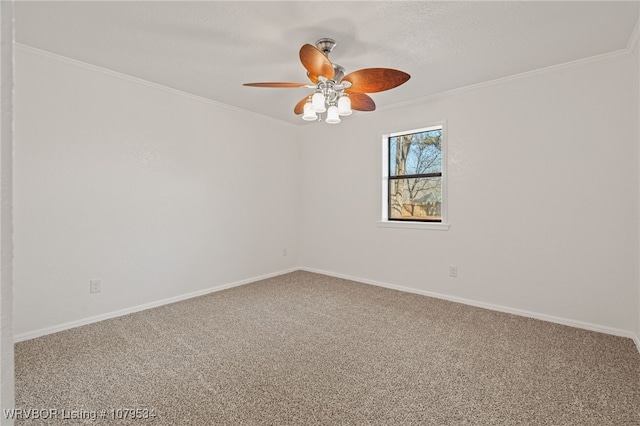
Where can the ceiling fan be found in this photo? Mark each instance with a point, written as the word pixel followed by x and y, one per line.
pixel 334 92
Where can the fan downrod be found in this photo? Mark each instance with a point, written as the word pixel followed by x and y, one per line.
pixel 326 45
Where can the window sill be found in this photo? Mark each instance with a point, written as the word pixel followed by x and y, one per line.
pixel 414 225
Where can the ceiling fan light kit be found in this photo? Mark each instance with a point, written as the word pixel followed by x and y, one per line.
pixel 334 92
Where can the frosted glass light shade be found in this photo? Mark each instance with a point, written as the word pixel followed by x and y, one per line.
pixel 332 115
pixel 309 114
pixel 344 106
pixel 317 102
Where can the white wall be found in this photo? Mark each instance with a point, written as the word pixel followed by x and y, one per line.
pixel 154 193
pixel 6 222
pixel 636 114
pixel 160 195
pixel 543 197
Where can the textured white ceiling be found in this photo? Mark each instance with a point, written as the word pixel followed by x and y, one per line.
pixel 210 48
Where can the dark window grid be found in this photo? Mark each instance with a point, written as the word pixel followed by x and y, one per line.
pixel 420 175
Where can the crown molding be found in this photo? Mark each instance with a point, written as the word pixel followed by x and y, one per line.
pixel 142 82
pixel 472 87
pixel 632 46
pixel 634 40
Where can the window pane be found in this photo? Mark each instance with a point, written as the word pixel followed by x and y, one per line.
pixel 416 153
pixel 416 199
pixel 393 142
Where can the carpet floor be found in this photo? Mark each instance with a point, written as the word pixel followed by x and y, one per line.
pixel 306 349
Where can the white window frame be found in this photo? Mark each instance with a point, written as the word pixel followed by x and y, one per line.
pixel 384 208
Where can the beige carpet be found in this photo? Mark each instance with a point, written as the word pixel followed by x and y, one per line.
pixel 308 349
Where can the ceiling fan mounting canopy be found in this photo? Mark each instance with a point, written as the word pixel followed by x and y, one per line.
pixel 325 45
pixel 334 92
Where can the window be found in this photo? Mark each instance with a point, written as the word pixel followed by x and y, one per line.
pixel 414 164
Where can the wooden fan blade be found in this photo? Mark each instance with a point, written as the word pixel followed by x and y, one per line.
pixel 371 80
pixel 299 108
pixel 276 84
pixel 361 102
pixel 315 62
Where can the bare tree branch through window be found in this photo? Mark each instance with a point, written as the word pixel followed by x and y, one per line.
pixel 415 176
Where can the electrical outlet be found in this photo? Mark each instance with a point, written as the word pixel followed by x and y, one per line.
pixel 94 286
pixel 453 271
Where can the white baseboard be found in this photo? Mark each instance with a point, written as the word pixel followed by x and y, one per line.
pixel 65 326
pixel 544 317
pixel 490 306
